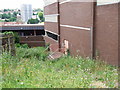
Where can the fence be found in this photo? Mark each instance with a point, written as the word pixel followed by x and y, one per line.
pixel 7 43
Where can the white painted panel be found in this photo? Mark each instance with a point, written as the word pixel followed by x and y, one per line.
pixel 51 15
pixel 51 18
pixel 99 1
pixel 105 2
pixel 48 2
pixel 65 1
pixel 75 27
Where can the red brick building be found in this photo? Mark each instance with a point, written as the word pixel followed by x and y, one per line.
pixel 31 34
pixel 87 29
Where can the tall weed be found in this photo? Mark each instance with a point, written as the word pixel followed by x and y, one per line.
pixel 38 53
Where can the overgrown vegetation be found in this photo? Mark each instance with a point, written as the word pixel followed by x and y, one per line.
pixel 9 17
pixel 33 21
pixel 30 68
pixel 15 34
pixel 41 16
pixel 7 33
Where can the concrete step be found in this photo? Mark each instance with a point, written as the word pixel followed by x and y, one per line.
pixel 55 55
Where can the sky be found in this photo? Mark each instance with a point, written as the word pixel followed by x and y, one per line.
pixel 13 4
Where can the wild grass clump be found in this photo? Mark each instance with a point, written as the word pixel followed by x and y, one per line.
pixel 29 70
pixel 38 53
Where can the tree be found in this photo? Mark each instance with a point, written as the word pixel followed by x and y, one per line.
pixel 9 15
pixel 17 38
pixel 37 10
pixel 12 19
pixel 33 21
pixel 0 15
pixel 15 14
pixel 34 14
pixel 2 21
pixel 5 10
pixel 6 20
pixel 43 19
pixel 5 16
pixel 40 15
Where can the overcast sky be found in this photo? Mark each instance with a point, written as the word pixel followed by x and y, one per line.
pixel 12 4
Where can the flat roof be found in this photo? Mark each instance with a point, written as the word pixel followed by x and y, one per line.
pixel 22 27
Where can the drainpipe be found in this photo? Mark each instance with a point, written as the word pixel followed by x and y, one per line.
pixel 59 25
pixel 91 40
pixel 93 29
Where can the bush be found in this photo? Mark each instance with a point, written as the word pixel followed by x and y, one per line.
pixel 38 53
pixel 17 38
pixel 18 45
pixel 15 34
pixel 33 21
pixel 6 33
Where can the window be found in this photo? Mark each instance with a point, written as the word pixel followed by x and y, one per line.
pixel 51 35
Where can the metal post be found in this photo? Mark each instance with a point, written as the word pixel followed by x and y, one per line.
pixel 34 32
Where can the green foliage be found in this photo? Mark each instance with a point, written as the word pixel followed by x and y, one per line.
pixel 33 21
pixel 15 14
pixel 26 52
pixel 17 37
pixel 12 19
pixel 18 45
pixel 38 10
pixel 43 19
pixel 2 20
pixel 5 10
pixel 7 20
pixel 15 34
pixel 5 16
pixel 7 33
pixel 68 52
pixel 29 70
pixel 40 14
pixel 9 17
pixel 34 14
pixel 0 15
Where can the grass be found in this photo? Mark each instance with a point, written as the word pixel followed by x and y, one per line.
pixel 31 69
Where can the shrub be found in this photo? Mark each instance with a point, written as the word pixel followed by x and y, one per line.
pixel 38 53
pixel 6 33
pixel 17 38
pixel 15 34
pixel 33 21
pixel 18 45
